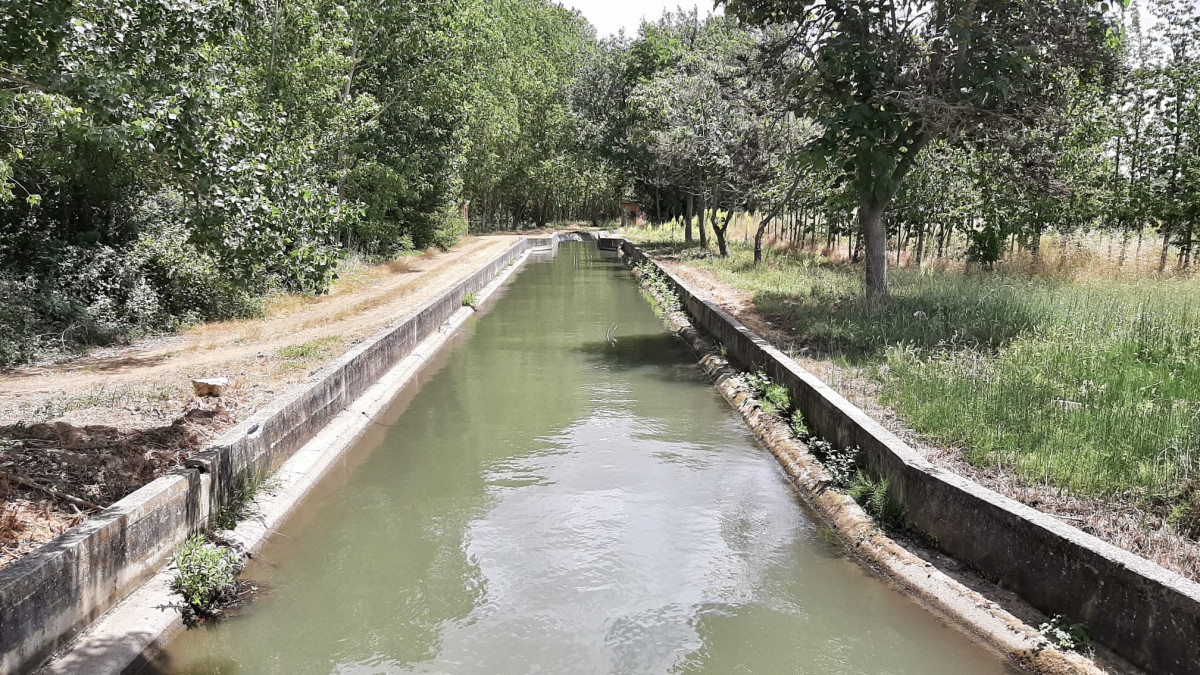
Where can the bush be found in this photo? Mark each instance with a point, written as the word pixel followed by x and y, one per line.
pixel 448 229
pixel 206 577
pixel 69 295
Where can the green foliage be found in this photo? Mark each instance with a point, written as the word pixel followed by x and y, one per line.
pixel 206 575
pixel 658 286
pixel 1067 635
pixel 165 165
pixel 237 506
pixel 986 246
pixel 875 499
pixel 884 82
pixel 772 396
pixel 469 300
pixel 312 349
pixel 841 463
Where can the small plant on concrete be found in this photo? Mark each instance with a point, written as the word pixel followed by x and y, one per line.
pixel 238 506
pixel 206 576
pixel 775 400
pixel 799 427
pixel 872 495
pixel 841 463
pixel 1067 635
pixel 659 287
pixel 469 300
pixel 773 397
pixel 757 383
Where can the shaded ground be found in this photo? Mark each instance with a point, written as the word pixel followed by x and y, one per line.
pixel 1138 527
pixel 97 427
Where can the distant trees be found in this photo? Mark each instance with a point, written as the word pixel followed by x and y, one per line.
pixel 926 128
pixel 884 80
pixel 162 163
pixel 530 158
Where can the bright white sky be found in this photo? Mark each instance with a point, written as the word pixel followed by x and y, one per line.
pixel 609 16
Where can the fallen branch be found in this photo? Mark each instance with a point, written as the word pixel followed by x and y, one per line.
pixel 21 480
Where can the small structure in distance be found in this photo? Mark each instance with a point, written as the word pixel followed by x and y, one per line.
pixel 631 214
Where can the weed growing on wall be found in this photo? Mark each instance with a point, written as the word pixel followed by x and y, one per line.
pixel 206 576
pixel 841 463
pixel 872 494
pixel 658 286
pixel 469 300
pixel 1067 635
pixel 244 491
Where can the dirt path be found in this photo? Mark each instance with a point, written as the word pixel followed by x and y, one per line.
pixel 99 426
pixel 1119 523
pixel 354 309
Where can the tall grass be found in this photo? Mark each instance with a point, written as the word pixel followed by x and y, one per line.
pixel 1089 383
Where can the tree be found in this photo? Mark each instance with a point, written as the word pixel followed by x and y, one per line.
pixel 885 79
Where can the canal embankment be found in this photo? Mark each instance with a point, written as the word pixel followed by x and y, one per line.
pixel 49 597
pixel 1141 611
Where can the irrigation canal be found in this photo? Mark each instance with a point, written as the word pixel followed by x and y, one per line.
pixel 562 496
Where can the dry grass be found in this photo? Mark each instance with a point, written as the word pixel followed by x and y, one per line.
pixel 401 265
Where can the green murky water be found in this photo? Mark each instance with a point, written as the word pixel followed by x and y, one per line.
pixel 550 502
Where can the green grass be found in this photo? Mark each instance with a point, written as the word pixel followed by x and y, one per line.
pixel 307 351
pixel 1092 385
pixel 238 505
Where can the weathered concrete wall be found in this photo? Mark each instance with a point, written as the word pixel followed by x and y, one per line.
pixel 1136 608
pixel 50 595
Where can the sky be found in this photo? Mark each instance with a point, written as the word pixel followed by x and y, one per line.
pixel 609 16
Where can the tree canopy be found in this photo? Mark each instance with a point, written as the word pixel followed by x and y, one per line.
pixel 168 162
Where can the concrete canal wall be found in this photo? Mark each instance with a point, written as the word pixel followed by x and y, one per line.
pixel 54 593
pixel 1141 611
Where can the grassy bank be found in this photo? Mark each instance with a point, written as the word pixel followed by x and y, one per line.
pixel 1087 383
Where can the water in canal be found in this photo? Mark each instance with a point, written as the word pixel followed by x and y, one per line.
pixel 549 501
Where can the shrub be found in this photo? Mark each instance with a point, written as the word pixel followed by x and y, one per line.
pixel 448 229
pixel 206 576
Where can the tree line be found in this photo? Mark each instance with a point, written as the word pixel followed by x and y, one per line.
pixel 908 126
pixel 173 161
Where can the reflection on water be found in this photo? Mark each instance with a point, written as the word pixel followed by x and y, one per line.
pixel 551 502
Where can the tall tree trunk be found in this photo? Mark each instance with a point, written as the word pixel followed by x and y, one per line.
pixel 687 225
pixel 921 243
pixel 720 230
pixel 1166 247
pixel 703 215
pixel 762 225
pixel 870 220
